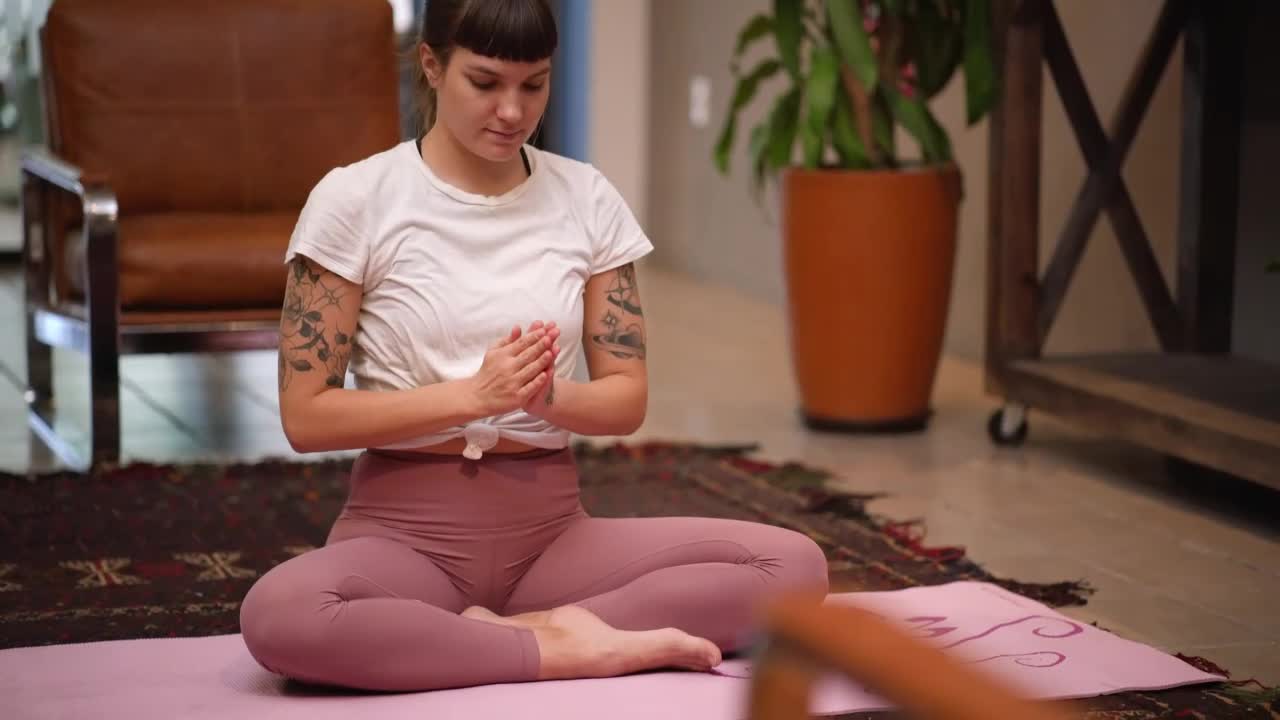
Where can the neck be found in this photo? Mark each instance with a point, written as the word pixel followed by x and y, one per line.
pixel 465 170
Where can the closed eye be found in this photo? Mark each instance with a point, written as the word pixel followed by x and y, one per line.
pixel 491 84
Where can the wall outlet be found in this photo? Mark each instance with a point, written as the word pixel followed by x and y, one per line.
pixel 700 101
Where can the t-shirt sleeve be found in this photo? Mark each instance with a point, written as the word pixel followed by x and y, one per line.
pixel 331 229
pixel 617 238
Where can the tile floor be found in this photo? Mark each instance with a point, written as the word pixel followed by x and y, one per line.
pixel 1188 568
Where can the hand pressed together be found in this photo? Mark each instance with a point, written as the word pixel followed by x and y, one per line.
pixel 516 369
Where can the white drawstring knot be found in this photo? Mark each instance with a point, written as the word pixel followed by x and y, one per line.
pixel 479 437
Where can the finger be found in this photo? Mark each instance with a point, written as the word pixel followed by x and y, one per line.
pixel 530 339
pixel 532 388
pixel 531 353
pixel 510 338
pixel 536 396
pixel 549 328
pixel 534 366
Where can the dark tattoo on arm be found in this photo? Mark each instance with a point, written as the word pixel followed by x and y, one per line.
pixel 622 334
pixel 307 344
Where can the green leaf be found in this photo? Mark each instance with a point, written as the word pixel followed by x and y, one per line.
pixel 882 128
pixel 980 82
pixel 756 28
pixel 811 142
pixel 742 95
pixel 724 144
pixel 788 27
pixel 782 129
pixel 920 123
pixel 820 96
pixel 852 41
pixel 756 147
pixel 844 136
pixel 746 89
pixel 934 44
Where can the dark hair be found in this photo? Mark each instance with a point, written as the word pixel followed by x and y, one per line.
pixel 514 30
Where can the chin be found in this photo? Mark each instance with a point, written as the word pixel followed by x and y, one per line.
pixel 497 155
pixel 496 152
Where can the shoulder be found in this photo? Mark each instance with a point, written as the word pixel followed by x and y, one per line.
pixel 595 199
pixel 350 187
pixel 579 177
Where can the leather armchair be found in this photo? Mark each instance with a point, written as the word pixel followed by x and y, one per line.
pixel 184 138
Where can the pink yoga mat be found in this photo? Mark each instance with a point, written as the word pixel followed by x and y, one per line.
pixel 1029 646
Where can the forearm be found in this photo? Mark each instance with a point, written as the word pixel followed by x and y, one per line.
pixel 611 405
pixel 341 419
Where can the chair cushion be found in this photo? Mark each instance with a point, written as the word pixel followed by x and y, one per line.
pixel 178 261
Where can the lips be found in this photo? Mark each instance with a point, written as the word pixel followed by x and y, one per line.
pixel 504 136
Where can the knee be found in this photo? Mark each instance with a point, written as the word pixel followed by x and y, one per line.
pixel 801 563
pixel 272 619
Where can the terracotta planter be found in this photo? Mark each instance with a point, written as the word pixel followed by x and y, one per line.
pixel 869 259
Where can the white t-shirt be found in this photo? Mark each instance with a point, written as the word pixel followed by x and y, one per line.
pixel 445 272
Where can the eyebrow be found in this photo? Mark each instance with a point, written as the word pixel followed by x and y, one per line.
pixel 491 73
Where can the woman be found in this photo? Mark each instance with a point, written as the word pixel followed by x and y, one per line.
pixel 460 276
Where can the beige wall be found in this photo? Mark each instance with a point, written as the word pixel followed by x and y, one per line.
pixel 619 97
pixel 710 227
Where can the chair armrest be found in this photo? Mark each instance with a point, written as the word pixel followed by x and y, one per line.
pixel 52 169
pixel 41 170
pixel 803 638
pixel 98 199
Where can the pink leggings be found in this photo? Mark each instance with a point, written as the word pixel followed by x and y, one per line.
pixel 420 540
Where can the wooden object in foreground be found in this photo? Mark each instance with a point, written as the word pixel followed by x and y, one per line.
pixel 804 639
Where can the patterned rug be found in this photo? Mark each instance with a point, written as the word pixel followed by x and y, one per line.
pixel 168 551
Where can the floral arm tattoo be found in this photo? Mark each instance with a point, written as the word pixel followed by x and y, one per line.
pixel 307 343
pixel 621 332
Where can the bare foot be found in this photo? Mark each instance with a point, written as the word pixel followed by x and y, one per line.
pixel 475 612
pixel 575 643
pixel 527 620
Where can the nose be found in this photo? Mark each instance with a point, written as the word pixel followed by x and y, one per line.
pixel 510 110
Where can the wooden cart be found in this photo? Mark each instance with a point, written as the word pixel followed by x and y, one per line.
pixel 1195 400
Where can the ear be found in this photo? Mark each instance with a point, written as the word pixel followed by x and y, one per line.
pixel 430 65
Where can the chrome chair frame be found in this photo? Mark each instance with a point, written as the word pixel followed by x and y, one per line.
pixel 94 327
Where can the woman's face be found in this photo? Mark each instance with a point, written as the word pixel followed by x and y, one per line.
pixel 490 106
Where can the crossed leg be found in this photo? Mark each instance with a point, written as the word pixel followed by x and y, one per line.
pixel 704 576
pixel 372 613
pixel 606 597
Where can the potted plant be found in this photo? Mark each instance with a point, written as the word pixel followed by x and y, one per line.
pixel 869 234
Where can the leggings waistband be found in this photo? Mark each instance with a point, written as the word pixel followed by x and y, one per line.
pixel 430 457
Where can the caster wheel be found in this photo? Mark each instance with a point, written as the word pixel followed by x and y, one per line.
pixel 1006 433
